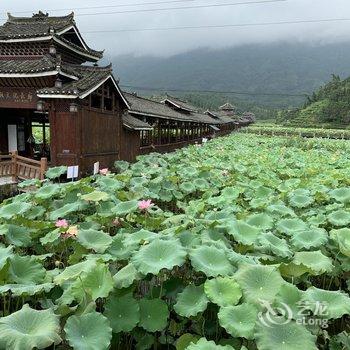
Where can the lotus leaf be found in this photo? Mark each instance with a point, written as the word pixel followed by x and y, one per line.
pixel 211 261
pixel 339 218
pixel 124 208
pixel 11 210
pixel 126 276
pixel 99 241
pixel 239 321
pixel 26 270
pixel 74 271
pixel 67 209
pixel 5 254
pixel 90 331
pixel 291 226
pixel 154 314
pixel 204 344
pixel 47 191
pixel 191 301
pixel 26 289
pixel 17 235
pixel 55 172
pixel 244 233
pixel 275 245
pixel 259 282
pixel 29 329
pixel 95 196
pixel 336 304
pixel 341 194
pixel 300 201
pixel 158 255
pixel 315 261
pixel 122 312
pixel 262 221
pixel 223 291
pixel 284 336
pixel 342 236
pixel 311 238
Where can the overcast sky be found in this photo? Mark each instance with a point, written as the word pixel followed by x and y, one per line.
pixel 172 42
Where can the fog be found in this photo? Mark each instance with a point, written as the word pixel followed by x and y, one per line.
pixel 117 40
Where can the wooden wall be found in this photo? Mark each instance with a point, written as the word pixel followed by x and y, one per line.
pixel 129 144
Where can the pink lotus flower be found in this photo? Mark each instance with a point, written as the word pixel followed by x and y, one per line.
pixel 72 232
pixel 145 204
pixel 104 171
pixel 116 222
pixel 61 223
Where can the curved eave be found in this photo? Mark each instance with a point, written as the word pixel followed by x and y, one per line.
pixel 20 75
pixel 137 128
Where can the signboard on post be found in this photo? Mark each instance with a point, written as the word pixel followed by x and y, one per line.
pixel 73 172
pixel 96 168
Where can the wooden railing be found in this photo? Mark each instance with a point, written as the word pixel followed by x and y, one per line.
pixel 21 168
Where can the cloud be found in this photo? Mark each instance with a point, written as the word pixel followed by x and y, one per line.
pixel 164 43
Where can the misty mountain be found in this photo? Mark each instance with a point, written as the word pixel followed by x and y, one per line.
pixel 270 68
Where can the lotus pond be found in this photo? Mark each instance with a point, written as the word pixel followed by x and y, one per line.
pixel 243 243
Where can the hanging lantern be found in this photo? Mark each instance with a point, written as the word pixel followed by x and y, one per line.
pixel 73 107
pixel 58 83
pixel 40 105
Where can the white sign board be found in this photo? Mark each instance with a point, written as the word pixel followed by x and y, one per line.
pixel 12 137
pixel 73 172
pixel 96 168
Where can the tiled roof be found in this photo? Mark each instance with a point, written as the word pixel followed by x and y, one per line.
pixel 227 107
pixel 44 64
pixel 134 123
pixel 37 25
pixel 42 25
pixel 176 102
pixel 143 106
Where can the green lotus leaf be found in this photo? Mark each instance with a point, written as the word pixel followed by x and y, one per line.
pixel 51 237
pixel 312 238
pixel 48 191
pixel 201 184
pixel 73 272
pixel 139 237
pixel 239 321
pixel 17 235
pixel 9 211
pixel 97 283
pixel 89 331
pixel 119 250
pixel 95 196
pixel 185 340
pixel 56 172
pixel 293 270
pixel 262 221
pixel 109 184
pixel 339 218
pixel 284 336
pixel 275 245
pixel 159 255
pixel 121 165
pixel 315 261
pixel 126 276
pixel 29 183
pixel 336 303
pixel 99 241
pixel 124 208
pixel 230 193
pixel 342 236
pixel 28 329
pixel 26 270
pixel 223 291
pixel 67 209
pixel 5 254
pixel 204 344
pixel 291 296
pixel 300 201
pixel 26 289
pixel 259 282
pixel 154 314
pixel 122 312
pixel 191 301
pixel 243 232
pixel 341 194
pixel 187 187
pixel 211 261
pixel 280 209
pixel 291 226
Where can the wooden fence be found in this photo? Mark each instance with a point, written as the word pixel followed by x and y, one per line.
pixel 21 168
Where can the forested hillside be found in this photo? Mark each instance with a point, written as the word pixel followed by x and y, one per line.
pixel 270 68
pixel 330 105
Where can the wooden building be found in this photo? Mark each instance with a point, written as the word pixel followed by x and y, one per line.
pixel 49 79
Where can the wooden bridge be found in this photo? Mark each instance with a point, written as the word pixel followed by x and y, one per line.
pixel 14 168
